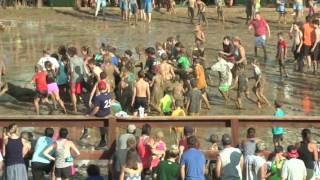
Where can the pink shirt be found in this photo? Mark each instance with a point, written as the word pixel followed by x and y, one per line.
pixel 161 146
pixel 260 27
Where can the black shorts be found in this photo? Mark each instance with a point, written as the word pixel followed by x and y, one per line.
pixel 134 8
pixel 38 169
pixel 281 62
pixel 141 102
pixel 167 113
pixel 277 138
pixel 63 172
pixel 41 94
pixel 316 53
pixel 306 50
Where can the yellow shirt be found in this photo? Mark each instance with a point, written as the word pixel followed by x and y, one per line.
pixel 178 112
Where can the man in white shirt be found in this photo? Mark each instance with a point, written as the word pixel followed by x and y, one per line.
pixel 46 57
pixel 293 169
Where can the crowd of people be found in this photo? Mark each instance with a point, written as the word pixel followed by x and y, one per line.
pixel 148 157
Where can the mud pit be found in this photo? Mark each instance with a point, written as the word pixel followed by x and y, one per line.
pixel 31 30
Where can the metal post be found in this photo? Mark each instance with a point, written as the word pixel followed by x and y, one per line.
pixel 235 132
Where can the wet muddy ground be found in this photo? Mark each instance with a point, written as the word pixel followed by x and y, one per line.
pixel 29 31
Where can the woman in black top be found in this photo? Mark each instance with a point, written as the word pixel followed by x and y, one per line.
pixel 308 152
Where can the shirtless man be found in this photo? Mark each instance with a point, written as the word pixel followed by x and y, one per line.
pixel 157 85
pixel 141 94
pixel 200 39
pixel 178 89
pixel 166 69
pixel 297 37
pixel 3 84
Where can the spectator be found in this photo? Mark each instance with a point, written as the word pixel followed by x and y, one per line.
pixel 249 145
pixel 27 138
pixel 39 163
pixel 63 158
pixel 256 167
pixel 308 152
pixel 277 164
pixel 144 150
pixel 230 161
pixel 293 168
pixel 93 172
pixel 15 148
pixel 158 149
pixel 192 162
pixel 169 169
pixel 119 158
pixel 133 167
pixel 131 131
pixel 278 131
pixel 183 146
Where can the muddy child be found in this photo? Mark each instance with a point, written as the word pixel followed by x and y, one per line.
pixel 202 12
pixel 297 44
pixel 282 51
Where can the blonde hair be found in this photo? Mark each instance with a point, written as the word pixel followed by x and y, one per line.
pixel 13 129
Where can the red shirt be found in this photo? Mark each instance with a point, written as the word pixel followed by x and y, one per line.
pixel 144 152
pixel 40 80
pixel 259 26
pixel 282 44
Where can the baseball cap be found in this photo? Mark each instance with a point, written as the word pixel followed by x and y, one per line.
pixel 102 85
pixel 292 152
pixel 131 128
pixel 226 139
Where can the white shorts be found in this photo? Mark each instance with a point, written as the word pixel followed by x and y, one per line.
pixel 260 41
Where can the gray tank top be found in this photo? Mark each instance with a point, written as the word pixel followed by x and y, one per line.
pixel 62 154
pixel 249 148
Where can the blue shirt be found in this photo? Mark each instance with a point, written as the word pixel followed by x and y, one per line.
pixel 114 60
pixel 194 162
pixel 62 77
pixel 42 144
pixel 278 130
pixel 103 101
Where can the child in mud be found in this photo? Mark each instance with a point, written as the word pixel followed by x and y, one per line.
pixel 202 12
pixel 200 39
pixel 282 50
pixel 41 89
pixel 297 36
pixel 242 88
pixel 259 84
pixel 171 7
pixel 220 6
pixel 281 9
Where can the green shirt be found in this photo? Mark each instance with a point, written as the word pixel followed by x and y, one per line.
pixel 168 170
pixel 166 103
pixel 276 174
pixel 184 61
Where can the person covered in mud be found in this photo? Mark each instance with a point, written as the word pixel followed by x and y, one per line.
pixel 201 81
pixel 157 86
pixel 152 67
pixel 258 87
pixel 141 94
pixel 178 89
pixel 3 84
pixel 166 69
pixel 200 39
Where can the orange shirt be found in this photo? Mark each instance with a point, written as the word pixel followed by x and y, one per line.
pixel 201 78
pixel 308 37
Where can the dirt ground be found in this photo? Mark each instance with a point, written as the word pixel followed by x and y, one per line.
pixel 29 31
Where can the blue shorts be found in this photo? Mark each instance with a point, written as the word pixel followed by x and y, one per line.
pixel 260 41
pixel 297 6
pixel 281 9
pixel 123 5
pixel 133 8
pixel 148 7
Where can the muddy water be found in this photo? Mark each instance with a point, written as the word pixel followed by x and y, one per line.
pixel 31 30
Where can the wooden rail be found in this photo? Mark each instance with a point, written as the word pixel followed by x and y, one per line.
pixel 113 124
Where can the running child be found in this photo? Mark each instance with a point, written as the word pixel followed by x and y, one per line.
pixel 202 12
pixel 281 9
pixel 282 51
